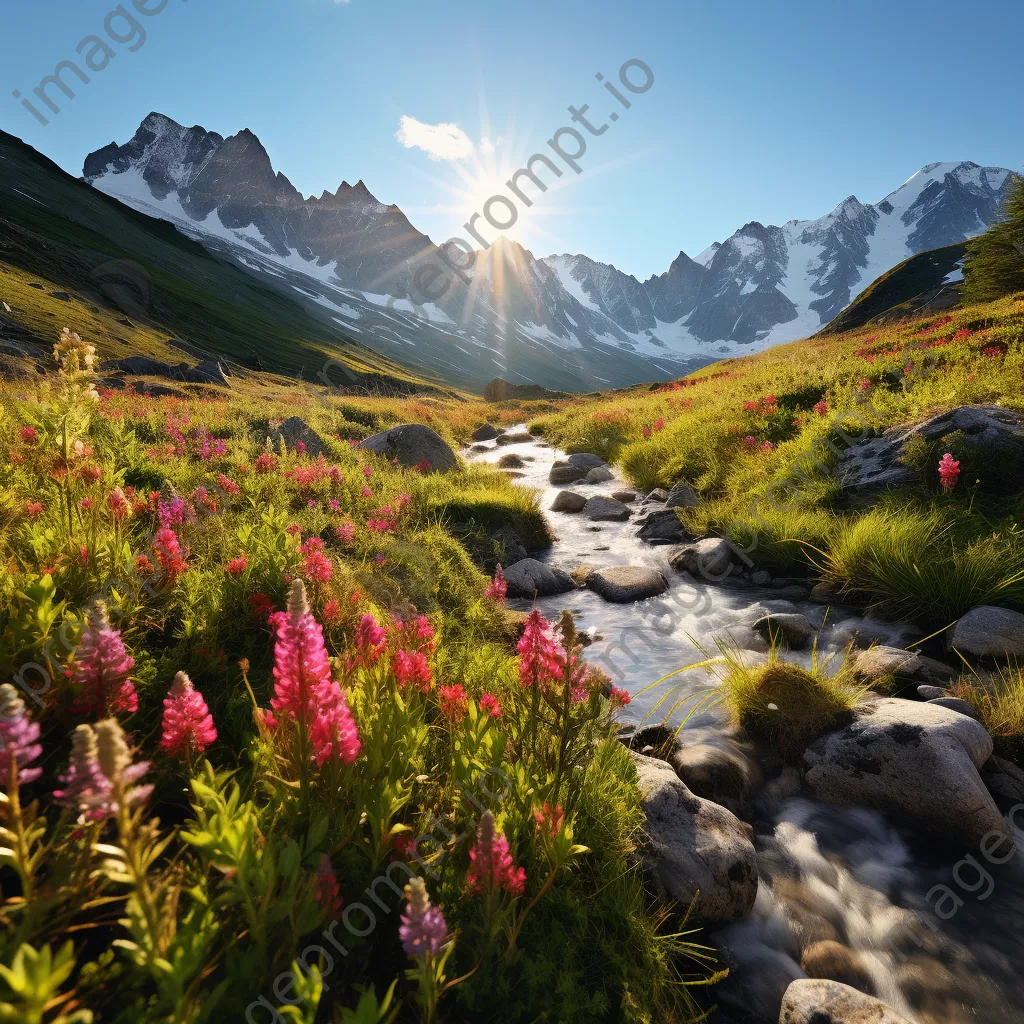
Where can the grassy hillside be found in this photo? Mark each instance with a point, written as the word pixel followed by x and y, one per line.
pixel 759 438
pixel 57 234
pixel 914 286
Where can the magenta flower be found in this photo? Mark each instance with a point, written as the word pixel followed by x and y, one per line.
pixel 187 723
pixel 411 667
pixel 304 689
pixel 370 641
pixel 454 702
pixel 326 890
pixel 19 739
pixel 101 669
pixel 423 930
pixel 949 470
pixel 492 867
pixel 541 657
pixel 498 587
pixel 490 706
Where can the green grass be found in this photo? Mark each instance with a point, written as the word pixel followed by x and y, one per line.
pixel 999 701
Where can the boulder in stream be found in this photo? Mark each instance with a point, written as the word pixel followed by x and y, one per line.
pixel 788 628
pixel 413 444
pixel 710 558
pixel 604 509
pixel 988 631
pixel 586 460
pixel 693 846
pixel 568 501
pixel 530 578
pixel 624 584
pixel 915 761
pixel 562 473
pixel 663 527
pixel 815 1001
pixel 487 432
pixel 682 495
pixel 599 475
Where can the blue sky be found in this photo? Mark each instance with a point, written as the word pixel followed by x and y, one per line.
pixel 758 111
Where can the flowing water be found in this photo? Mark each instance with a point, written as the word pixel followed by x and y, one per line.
pixel 826 873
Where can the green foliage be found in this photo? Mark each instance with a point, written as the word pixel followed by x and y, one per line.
pixel 999 700
pixel 995 260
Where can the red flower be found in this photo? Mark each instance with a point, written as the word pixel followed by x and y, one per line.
pixel 237 566
pixel 821 408
pixel 453 702
pixel 550 818
pixel 33 508
pixel 620 698
pixel 490 706
pixel 29 435
pixel 411 667
pixel 261 605
pixel 498 587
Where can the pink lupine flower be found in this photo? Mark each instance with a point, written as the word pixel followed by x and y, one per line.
pixel 304 690
pixel 423 930
pixel 19 740
pixel 174 511
pixel 367 492
pixel 101 669
pixel 492 867
pixel 541 657
pixel 188 727
pixel 489 705
pixel 549 819
pixel 498 588
pixel 750 441
pixel 411 667
pixel 767 447
pixel 101 774
pixel 120 507
pixel 367 472
pixel 345 532
pixel 326 890
pixel 865 385
pixel 315 564
pixel 300 447
pixel 169 554
pixel 334 505
pixel 370 640
pixel 619 698
pixel 949 470
pixel 454 702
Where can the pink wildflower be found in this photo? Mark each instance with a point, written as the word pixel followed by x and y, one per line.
pixel 492 867
pixel 411 667
pixel 619 698
pixel 454 703
pixel 541 657
pixel 549 819
pixel 423 930
pixel 326 890
pixel 370 641
pixel 490 706
pixel 28 435
pixel 949 470
pixel 821 408
pixel 345 532
pixel 19 740
pixel 187 723
pixel 101 669
pixel 498 587
pixel 33 508
pixel 237 566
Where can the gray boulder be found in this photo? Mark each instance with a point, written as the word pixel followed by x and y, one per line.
pixel 761 578
pixel 413 444
pixel 522 437
pixel 603 509
pixel 144 366
pixel 789 628
pixel 295 429
pixel 485 433
pixel 693 846
pixel 511 545
pixel 562 473
pixel 624 584
pixel 881 662
pixel 209 371
pixel 916 761
pixel 822 593
pixel 599 475
pixel 530 578
pixel 663 526
pixel 928 692
pixel 511 461
pixel 710 558
pixel 723 775
pixel 817 1001
pixel 626 497
pixel 568 501
pixel 682 495
pixel 988 631
pixel 658 494
pixel 956 704
pixel 586 461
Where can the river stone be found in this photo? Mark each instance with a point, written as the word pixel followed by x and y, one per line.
pixel 511 461
pixel 295 429
pixel 822 593
pixel 791 628
pixel 599 475
pixel 626 497
pixel 928 692
pixel 530 578
pixel 562 473
pixel 664 526
pixel 1005 782
pixel 832 961
pixel 487 432
pixel 761 578
pixel 568 501
pixel 958 705
pixel 723 775
pixel 878 663
pixel 604 509
pixel 413 444
pixel 623 584
pixel 817 1001
pixel 522 437
pixel 916 761
pixel 658 494
pixel 990 631
pixel 710 558
pixel 692 845
pixel 586 460
pixel 682 495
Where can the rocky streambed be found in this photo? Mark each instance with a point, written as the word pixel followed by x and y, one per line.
pixel 877 879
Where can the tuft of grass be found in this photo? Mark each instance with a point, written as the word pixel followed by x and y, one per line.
pixel 999 700
pixel 785 706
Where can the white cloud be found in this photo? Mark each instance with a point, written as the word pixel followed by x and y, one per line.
pixel 438 141
pixel 486 146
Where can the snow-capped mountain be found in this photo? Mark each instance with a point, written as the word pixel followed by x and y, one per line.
pixel 564 321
